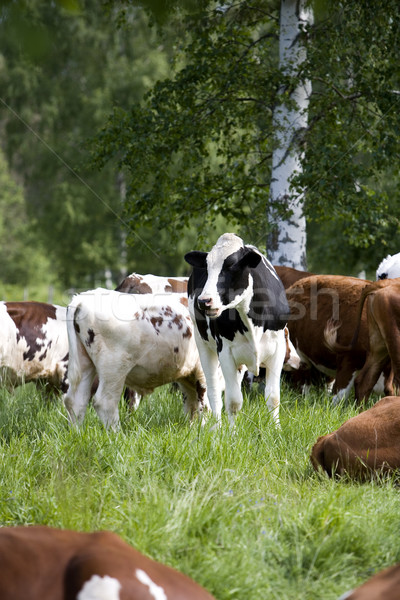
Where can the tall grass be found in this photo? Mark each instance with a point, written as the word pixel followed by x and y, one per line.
pixel 242 512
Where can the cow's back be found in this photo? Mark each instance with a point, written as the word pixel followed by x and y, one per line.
pixel 42 563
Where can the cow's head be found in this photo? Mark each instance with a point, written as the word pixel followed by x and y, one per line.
pixel 228 280
pixel 389 268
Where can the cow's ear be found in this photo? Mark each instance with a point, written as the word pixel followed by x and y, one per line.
pixel 249 259
pixel 197 259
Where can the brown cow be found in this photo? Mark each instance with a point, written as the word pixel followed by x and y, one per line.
pixel 41 563
pixel 364 444
pixel 313 302
pixel 383 321
pixel 289 276
pixel 385 585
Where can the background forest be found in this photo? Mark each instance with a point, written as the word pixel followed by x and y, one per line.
pixel 132 132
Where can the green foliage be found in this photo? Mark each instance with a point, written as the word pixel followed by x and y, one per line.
pixel 244 514
pixel 352 139
pixel 53 99
pixel 200 144
pixel 21 256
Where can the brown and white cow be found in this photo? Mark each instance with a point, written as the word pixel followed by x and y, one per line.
pixel 135 283
pixel 383 319
pixel 366 443
pixel 314 301
pixel 42 563
pixel 152 284
pixel 385 585
pixel 139 340
pixel 33 344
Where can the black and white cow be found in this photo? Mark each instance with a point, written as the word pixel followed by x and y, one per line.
pixel 238 306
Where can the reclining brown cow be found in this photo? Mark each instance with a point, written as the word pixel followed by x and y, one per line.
pixel 365 444
pixel 385 585
pixel 41 563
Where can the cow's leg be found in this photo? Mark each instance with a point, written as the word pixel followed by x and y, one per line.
pixel 369 375
pixel 107 398
pixel 273 369
pixel 233 379
pixel 210 364
pixel 195 399
pixel 80 378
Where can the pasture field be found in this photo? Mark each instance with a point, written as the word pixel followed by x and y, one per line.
pixel 242 513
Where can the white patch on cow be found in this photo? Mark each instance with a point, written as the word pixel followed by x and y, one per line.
pixel 389 268
pixel 155 590
pixel 379 387
pixel 227 244
pixel 344 393
pixel 346 595
pixel 100 588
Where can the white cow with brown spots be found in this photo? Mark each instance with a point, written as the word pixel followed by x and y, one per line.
pixel 42 563
pixel 141 341
pixel 135 283
pixel 33 344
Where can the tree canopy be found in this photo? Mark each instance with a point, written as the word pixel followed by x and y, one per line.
pixel 200 144
pixel 178 104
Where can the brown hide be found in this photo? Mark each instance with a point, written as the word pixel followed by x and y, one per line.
pixel 313 302
pixel 364 444
pixel 383 317
pixel 289 276
pixel 41 563
pixel 142 284
pixel 385 585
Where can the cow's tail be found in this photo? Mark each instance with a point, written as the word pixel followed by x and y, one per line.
pixel 332 326
pixel 74 367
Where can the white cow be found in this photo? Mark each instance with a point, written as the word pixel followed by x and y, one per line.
pixel 141 341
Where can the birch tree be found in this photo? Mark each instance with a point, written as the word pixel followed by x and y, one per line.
pixel 286 243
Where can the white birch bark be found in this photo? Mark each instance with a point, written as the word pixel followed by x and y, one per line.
pixel 286 245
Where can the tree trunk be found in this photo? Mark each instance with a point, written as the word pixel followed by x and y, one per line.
pixel 286 244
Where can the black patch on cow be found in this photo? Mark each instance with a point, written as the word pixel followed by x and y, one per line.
pixel 43 355
pixel 268 308
pixel 76 326
pixel 90 338
pixel 64 382
pixel 227 325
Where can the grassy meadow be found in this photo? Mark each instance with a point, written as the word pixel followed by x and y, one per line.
pixel 242 513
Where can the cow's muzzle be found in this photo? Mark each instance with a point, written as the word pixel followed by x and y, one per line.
pixel 206 306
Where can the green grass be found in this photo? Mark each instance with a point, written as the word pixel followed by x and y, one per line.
pixel 242 512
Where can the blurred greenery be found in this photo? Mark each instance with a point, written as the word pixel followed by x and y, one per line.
pixel 174 101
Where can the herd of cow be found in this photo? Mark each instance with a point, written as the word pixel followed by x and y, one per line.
pixel 235 313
